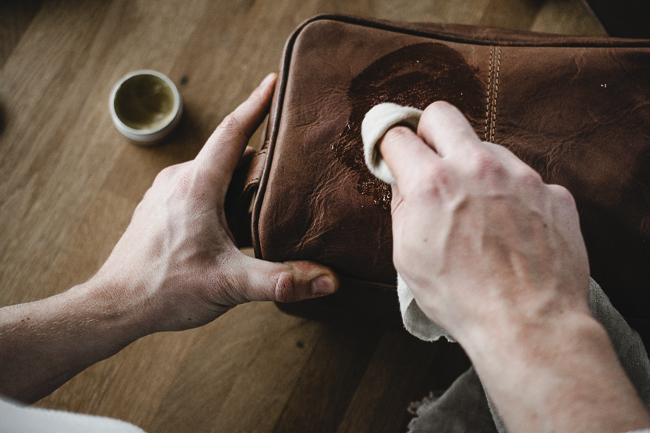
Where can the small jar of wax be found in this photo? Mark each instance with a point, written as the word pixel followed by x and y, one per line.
pixel 145 106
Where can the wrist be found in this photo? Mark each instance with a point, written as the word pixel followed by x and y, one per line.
pixel 45 343
pixel 116 310
pixel 529 339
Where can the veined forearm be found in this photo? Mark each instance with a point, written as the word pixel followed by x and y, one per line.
pixel 45 343
pixel 566 375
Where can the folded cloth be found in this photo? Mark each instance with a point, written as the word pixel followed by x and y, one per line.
pixel 434 414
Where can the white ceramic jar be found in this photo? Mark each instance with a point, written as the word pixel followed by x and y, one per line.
pixel 145 106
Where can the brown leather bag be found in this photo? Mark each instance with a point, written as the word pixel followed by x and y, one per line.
pixel 576 109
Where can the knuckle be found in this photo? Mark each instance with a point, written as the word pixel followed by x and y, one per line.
pixel 562 195
pixel 258 94
pixel 163 178
pixel 431 179
pixel 166 173
pixel 169 173
pixel 485 165
pixel 393 138
pixel 182 185
pixel 231 124
pixel 433 174
pixel 176 180
pixel 437 115
pixel 529 177
pixel 284 287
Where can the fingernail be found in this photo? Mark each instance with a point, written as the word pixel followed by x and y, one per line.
pixel 322 286
pixel 268 79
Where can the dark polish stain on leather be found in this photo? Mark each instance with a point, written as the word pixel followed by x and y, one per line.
pixel 416 75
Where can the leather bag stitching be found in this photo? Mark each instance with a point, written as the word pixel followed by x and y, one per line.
pixel 495 96
pixel 488 101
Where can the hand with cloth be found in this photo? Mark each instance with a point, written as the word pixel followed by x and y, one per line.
pixel 175 267
pixel 496 257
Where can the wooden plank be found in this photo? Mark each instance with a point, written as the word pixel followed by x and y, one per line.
pixel 390 383
pixel 73 264
pixel 43 181
pixel 568 18
pixel 329 380
pixel 15 17
pixel 517 15
pixel 241 372
pixel 441 11
pixel 130 385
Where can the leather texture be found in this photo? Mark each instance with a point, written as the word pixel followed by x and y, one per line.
pixel 576 109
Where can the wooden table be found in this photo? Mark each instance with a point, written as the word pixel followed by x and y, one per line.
pixel 69 183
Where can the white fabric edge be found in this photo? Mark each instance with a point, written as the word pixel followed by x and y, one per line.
pixel 18 418
pixel 375 124
pixel 414 319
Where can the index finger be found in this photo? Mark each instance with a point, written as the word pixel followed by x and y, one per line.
pixel 220 154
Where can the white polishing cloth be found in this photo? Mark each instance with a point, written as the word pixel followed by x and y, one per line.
pixel 375 124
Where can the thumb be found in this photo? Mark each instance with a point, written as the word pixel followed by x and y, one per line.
pixel 286 282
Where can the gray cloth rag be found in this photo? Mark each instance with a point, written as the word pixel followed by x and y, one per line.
pixel 463 407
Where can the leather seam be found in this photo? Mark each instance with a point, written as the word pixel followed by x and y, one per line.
pixel 488 102
pixel 494 70
pixel 493 126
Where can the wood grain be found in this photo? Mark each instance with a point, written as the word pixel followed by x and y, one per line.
pixel 69 183
pixel 15 17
